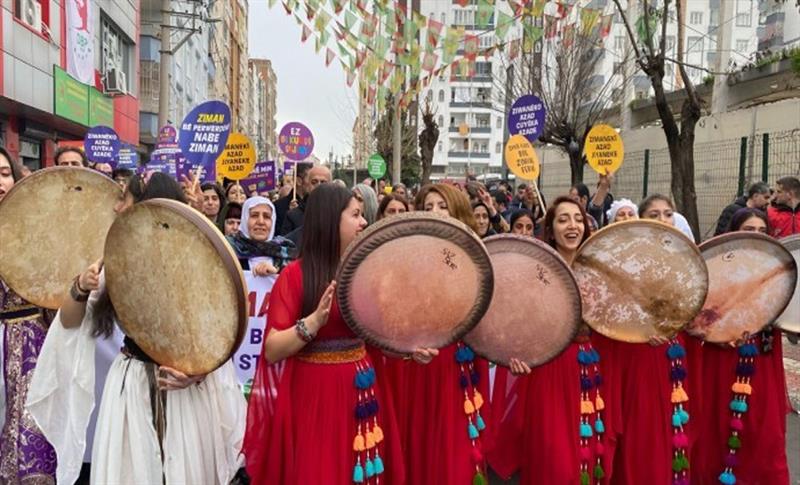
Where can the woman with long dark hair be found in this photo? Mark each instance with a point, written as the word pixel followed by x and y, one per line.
pixel 550 419
pixel 318 412
pixel 203 415
pixel 25 454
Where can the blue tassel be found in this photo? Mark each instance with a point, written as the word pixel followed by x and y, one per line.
pixel 738 406
pixel 727 478
pixel 475 378
pixel 369 468
pixel 473 431
pixel 361 411
pixel 676 420
pixel 371 375
pixel 372 407
pixel 460 356
pixel 676 351
pixel 745 369
pixel 684 416
pixel 598 380
pixel 586 383
pixel 584 358
pixel 469 353
pixel 748 350
pixel 594 355
pixel 599 426
pixel 480 423
pixel 378 464
pixel 677 373
pixel 586 430
pixel 358 473
pixel 464 381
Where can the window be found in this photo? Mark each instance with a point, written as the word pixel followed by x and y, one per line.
pixel 696 18
pixel 483 69
pixel 742 46
pixel 441 95
pixel 440 121
pixel 440 146
pixel 497 147
pixel 499 123
pixel 33 13
pixel 744 16
pixel 694 45
pixel 670 42
pixel 619 42
pixel 117 51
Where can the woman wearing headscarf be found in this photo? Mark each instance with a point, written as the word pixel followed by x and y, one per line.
pixel 255 244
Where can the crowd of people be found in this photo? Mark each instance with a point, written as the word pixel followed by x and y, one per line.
pixel 327 408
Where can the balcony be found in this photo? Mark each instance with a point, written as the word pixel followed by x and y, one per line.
pixel 478 78
pixel 471 104
pixel 476 155
pixel 473 130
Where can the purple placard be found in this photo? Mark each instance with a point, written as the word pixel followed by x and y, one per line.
pixel 296 141
pixel 527 117
pixel 127 157
pixel 204 133
pixel 261 179
pixel 167 135
pixel 288 167
pixel 187 169
pixel 102 145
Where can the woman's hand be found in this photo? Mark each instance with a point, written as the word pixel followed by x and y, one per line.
pixel 170 379
pixel 193 191
pixel 319 318
pixel 657 340
pixel 518 368
pixel 487 201
pixel 424 356
pixel 264 269
pixel 89 280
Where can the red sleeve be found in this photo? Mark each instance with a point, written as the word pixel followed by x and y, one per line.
pixel 286 300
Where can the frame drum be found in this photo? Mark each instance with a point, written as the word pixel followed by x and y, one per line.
pixel 790 319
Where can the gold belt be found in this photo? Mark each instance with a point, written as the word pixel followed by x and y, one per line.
pixel 339 351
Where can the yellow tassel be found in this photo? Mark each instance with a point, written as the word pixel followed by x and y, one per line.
pixel 599 404
pixel 358 443
pixel 679 395
pixel 478 400
pixel 587 407
pixel 370 440
pixel 742 388
pixel 378 432
pixel 468 407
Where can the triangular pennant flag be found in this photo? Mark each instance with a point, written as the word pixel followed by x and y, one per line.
pixel 455 69
pixel 605 26
pixel 351 76
pixel 324 37
pixel 532 34
pixel 321 23
pixel 429 63
pixel 361 56
pixel 343 51
pixel 537 8
pixel 470 46
pixel 551 28
pixel 484 13
pixel 317 45
pixel 350 19
pixel 306 32
pixel 271 3
pixel 329 57
pixel 589 18
pixel 338 6
pixel 434 32
pixel 504 21
pixel 419 20
pixel 287 7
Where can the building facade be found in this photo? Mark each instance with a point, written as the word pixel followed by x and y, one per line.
pixel 266 84
pixel 228 53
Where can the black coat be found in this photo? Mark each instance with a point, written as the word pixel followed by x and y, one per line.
pixel 724 220
pixel 294 218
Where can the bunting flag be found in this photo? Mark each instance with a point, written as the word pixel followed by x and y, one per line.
pixel 317 45
pixel 504 21
pixel 287 8
pixel 329 57
pixel 390 22
pixel 324 37
pixel 271 3
pixel 513 49
pixel 311 11
pixel 434 32
pixel 350 19
pixel 305 34
pixel 551 27
pixel 605 26
pixel 484 13
pixel 321 23
pixel 561 10
pixel 470 46
pixel 455 69
pixel 537 8
pixel 589 18
pixel 429 63
pixel 531 35
pixel 419 20
pixel 361 56
pixel 338 6
pixel 451 41
pixel 343 51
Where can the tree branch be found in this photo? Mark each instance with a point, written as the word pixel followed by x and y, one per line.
pixel 639 57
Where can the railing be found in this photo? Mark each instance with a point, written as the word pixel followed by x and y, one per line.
pixel 472 129
pixel 478 155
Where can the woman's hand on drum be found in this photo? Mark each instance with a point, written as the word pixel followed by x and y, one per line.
pixel 424 356
pixel 319 318
pixel 170 379
pixel 89 280
pixel 518 368
pixel 264 269
pixel 657 340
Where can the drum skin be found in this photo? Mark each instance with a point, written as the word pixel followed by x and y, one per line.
pixel 790 318
pixel 752 278
pixel 53 225
pixel 176 286
pixel 536 309
pixel 415 280
pixel 640 279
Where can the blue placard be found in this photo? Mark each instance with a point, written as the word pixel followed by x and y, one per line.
pixel 527 117
pixel 102 145
pixel 261 179
pixel 203 135
pixel 127 157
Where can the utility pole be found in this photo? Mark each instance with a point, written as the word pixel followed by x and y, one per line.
pixel 397 130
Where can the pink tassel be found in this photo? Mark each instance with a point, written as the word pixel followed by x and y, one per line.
pixel 736 424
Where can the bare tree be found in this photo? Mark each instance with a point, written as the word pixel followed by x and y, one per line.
pixel 679 131
pixel 427 141
pixel 410 162
pixel 574 95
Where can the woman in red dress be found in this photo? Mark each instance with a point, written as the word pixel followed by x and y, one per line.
pixel 550 419
pixel 317 413
pixel 440 405
pixel 743 435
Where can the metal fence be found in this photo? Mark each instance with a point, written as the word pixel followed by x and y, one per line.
pixel 723 171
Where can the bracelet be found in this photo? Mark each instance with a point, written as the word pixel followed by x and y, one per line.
pixel 77 293
pixel 302 331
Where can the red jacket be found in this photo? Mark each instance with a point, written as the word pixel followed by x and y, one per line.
pixel 783 220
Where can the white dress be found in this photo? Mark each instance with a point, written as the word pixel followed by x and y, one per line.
pixel 205 422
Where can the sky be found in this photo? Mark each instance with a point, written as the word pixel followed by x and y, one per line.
pixel 308 92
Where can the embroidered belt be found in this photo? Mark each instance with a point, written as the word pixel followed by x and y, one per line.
pixel 335 351
pixel 20 314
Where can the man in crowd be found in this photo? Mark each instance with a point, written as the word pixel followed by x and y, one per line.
pixel 315 177
pixel 784 215
pixel 70 157
pixel 288 200
pixel 757 198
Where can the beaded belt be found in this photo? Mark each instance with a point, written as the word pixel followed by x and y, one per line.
pixel 19 314
pixel 335 351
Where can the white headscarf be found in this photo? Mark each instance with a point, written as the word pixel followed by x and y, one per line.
pixel 611 213
pixel 249 204
pixel 682 224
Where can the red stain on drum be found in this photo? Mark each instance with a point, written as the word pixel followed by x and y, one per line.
pixel 706 318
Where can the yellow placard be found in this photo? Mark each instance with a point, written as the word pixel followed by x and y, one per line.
pixel 238 159
pixel 603 149
pixel 521 158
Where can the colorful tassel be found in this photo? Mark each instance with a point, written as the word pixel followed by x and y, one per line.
pixel 679 395
pixel 586 431
pixel 377 463
pixel 358 473
pixel 468 407
pixel 479 479
pixel 599 404
pixel 369 468
pixel 370 441
pixel 727 478
pixel 477 399
pixel 738 406
pixel 737 424
pixel 599 473
pixel 599 426
pixel 585 478
pixel 587 407
pixel 473 431
pixel 480 423
pixel 358 443
pixel 734 442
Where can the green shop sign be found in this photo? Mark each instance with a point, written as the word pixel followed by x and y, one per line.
pixel 79 102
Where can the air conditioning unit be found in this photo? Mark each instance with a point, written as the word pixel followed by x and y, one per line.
pixel 32 14
pixel 116 82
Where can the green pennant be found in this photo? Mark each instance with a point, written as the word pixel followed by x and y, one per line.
pixel 504 22
pixel 382 45
pixel 484 13
pixel 530 36
pixel 390 22
pixel 324 36
pixel 343 51
pixel 410 30
pixel 321 22
pixel 317 45
pixel 350 19
pixel 271 3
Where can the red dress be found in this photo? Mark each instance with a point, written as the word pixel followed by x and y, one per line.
pixel 761 460
pixel 434 429
pixel 637 378
pixel 538 420
pixel 306 414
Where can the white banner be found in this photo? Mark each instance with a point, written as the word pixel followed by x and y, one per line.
pixel 246 358
pixel 80 40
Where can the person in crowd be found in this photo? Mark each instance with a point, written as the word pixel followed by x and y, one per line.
pixel 481 213
pixel 501 203
pixel 622 210
pixel 784 216
pixel 68 156
pixel 340 183
pixel 758 196
pixel 401 190
pixel 522 222
pixel 235 192
pixel 442 444
pixel 682 224
pixel 104 168
pixel 658 207
pixel 315 177
pixel 230 218
pixel 255 243
pixel 757 454
pixel 212 200
pixel 544 429
pixel 391 205
pixel 304 406
pixel 25 454
pixel 121 176
pixel 204 414
pixel 288 199
pixel 369 201
pixel 595 205
pixel 518 201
